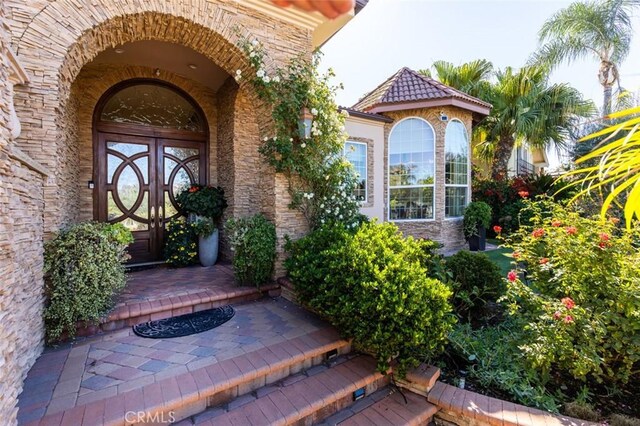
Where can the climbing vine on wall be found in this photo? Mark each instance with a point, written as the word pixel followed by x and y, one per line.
pixel 321 180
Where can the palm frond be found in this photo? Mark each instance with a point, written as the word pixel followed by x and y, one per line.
pixel 618 168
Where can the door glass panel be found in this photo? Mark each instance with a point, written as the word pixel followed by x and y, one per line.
pixel 169 208
pixel 128 186
pixel 143 165
pixel 128 149
pixel 113 211
pixel 112 164
pixel 181 153
pixel 169 165
pixel 152 105
pixel 180 181
pixel 194 166
pixel 143 211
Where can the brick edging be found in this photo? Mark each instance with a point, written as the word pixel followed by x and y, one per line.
pixel 465 407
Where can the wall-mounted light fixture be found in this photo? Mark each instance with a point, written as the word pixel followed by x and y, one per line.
pixel 156 72
pixel 90 184
pixel 304 123
pixel 443 116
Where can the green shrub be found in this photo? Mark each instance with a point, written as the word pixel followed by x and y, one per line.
pixel 201 200
pixel 180 247
pixel 580 302
pixel 496 363
pixel 475 279
pixel 84 270
pixel 476 214
pixel 253 241
pixel 372 285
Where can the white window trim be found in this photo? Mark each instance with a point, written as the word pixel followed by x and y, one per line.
pixel 366 166
pixel 432 186
pixel 467 185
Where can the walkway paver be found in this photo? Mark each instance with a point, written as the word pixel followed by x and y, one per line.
pixel 111 364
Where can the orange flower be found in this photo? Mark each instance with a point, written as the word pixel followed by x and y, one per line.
pixel 571 230
pixel 537 233
pixel 568 302
pixel 515 255
pixel 544 261
pixel 556 223
pixel 523 194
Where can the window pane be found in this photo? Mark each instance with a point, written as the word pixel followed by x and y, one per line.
pixel 456 154
pixel 356 154
pixel 455 201
pixel 411 203
pixel 411 153
pixel 152 105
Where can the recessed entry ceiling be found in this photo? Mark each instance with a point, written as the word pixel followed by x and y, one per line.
pixel 170 57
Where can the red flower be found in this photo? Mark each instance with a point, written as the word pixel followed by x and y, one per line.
pixel 604 237
pixel 571 230
pixel 512 276
pixel 556 223
pixel 568 319
pixel 193 189
pixel 523 194
pixel 537 233
pixel 544 261
pixel 557 315
pixel 568 302
pixel 614 220
pixel 497 229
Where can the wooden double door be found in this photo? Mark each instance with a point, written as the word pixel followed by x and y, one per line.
pixel 138 178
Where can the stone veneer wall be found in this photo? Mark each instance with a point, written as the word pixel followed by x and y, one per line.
pixel 445 231
pixel 21 233
pixel 54 55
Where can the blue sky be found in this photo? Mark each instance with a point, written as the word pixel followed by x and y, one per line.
pixel 390 34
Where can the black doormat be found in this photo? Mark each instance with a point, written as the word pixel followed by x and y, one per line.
pixel 185 325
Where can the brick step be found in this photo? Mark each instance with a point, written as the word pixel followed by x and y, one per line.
pixel 184 395
pixel 303 399
pixel 386 407
pixel 136 312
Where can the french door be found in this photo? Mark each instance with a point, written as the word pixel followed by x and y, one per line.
pixel 138 178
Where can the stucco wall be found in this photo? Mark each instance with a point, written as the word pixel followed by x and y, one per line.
pixel 21 229
pixel 372 133
pixel 446 231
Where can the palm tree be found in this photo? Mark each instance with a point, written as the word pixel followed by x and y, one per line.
pixel 525 107
pixel 471 77
pixel 595 29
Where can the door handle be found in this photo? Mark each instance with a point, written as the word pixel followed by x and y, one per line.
pixel 161 208
pixel 153 217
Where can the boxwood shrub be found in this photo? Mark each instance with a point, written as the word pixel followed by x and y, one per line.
pixel 84 270
pixel 372 284
pixel 475 280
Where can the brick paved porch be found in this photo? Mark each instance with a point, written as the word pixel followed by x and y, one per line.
pixel 108 365
pixel 163 292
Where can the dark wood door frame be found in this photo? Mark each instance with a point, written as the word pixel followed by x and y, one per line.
pixel 163 136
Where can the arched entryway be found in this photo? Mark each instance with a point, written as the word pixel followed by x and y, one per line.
pixel 150 142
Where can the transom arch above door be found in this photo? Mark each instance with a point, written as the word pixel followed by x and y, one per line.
pixel 150 142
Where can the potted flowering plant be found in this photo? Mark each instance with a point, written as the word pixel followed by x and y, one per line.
pixel 477 217
pixel 204 205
